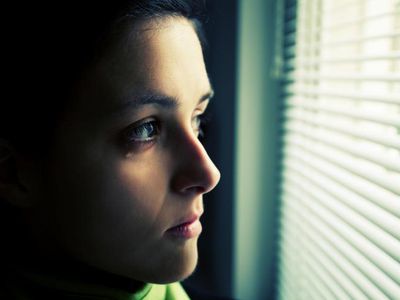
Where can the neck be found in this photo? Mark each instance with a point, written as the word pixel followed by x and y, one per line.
pixel 74 272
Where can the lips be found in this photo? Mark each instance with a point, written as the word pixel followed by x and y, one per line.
pixel 189 228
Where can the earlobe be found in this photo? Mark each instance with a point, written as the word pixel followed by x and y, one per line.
pixel 12 189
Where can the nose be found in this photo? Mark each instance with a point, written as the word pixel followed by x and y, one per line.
pixel 194 173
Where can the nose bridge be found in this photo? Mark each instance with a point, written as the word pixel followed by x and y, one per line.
pixel 196 147
pixel 195 169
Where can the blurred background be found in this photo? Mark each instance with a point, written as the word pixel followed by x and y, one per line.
pixel 305 128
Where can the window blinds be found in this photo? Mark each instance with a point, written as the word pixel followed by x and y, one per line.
pixel 340 191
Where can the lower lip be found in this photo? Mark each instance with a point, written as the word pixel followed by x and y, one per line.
pixel 186 231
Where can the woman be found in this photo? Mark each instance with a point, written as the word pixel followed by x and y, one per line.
pixel 101 170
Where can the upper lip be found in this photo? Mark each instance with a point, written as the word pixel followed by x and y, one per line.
pixel 188 219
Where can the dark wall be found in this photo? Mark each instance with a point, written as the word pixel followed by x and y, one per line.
pixel 214 271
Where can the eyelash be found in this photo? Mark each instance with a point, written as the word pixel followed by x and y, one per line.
pixel 131 135
pixel 202 119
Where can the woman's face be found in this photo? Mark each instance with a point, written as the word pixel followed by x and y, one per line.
pixel 128 167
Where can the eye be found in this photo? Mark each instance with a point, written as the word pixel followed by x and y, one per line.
pixel 145 131
pixel 198 122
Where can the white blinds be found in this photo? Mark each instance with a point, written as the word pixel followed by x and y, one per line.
pixel 340 211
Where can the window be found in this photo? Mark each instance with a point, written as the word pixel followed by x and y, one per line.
pixel 340 191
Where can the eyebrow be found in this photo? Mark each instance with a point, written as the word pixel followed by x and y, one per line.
pixel 154 98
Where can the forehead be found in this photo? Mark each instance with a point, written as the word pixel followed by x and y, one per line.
pixel 163 56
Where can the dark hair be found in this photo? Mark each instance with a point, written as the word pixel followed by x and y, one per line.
pixel 47 48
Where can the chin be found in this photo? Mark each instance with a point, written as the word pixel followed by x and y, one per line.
pixel 178 270
pixel 164 265
pixel 176 267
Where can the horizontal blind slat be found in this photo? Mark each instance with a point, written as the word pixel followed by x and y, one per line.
pixel 359 39
pixel 290 13
pixel 289 52
pixel 290 26
pixel 284 289
pixel 344 42
pixel 381 287
pixel 381 98
pixel 343 143
pixel 375 176
pixel 298 258
pixel 330 284
pixel 390 78
pixel 338 8
pixel 349 128
pixel 307 62
pixel 332 288
pixel 344 225
pixel 341 24
pixel 321 240
pixel 350 192
pixel 300 284
pixel 389 118
pixel 325 267
pixel 349 212
pixel 290 40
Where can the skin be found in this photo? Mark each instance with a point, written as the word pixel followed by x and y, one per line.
pixel 112 197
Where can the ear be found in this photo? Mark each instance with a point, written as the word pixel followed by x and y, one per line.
pixel 15 186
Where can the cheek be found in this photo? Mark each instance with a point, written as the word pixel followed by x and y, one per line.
pixel 146 178
pixel 110 198
pixel 144 187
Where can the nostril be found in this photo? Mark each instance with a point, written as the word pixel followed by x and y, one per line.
pixel 196 190
pixel 196 178
pixel 187 185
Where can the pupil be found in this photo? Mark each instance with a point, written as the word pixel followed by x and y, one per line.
pixel 145 130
